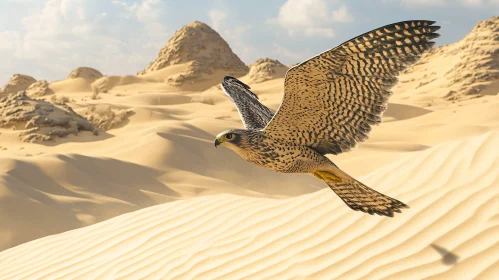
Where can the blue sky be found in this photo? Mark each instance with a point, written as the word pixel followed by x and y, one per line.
pixel 47 39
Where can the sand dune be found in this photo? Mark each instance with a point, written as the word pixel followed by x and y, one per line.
pixel 452 190
pixel 71 85
pixel 151 197
pixel 83 179
pixel 168 143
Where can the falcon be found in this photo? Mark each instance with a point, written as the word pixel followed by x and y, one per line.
pixel 330 103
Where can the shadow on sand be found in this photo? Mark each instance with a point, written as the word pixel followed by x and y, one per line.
pixel 448 258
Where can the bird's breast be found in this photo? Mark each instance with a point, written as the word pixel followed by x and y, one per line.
pixel 276 156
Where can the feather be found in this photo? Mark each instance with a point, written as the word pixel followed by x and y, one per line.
pixel 254 114
pixel 331 100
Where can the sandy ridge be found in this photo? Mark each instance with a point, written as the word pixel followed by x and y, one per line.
pixel 450 187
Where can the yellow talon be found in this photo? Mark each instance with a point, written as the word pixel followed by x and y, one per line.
pixel 327 176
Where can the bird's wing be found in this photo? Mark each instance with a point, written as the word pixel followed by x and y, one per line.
pixel 331 100
pixel 254 114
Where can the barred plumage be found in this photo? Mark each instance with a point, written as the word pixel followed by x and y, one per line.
pixel 254 114
pixel 360 197
pixel 330 103
pixel 340 93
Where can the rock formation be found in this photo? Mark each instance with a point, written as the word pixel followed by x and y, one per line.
pixel 40 88
pixel 17 83
pixel 266 69
pixel 479 59
pixel 87 73
pixel 459 71
pixel 202 49
pixel 40 120
pixel 107 117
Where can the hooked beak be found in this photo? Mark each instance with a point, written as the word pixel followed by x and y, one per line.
pixel 217 143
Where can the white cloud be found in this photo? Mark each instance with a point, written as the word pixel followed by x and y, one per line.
pixel 11 42
pixel 145 10
pixel 217 18
pixel 342 15
pixel 115 38
pixel 149 13
pixel 234 32
pixel 319 32
pixel 56 28
pixel 433 3
pixel 71 9
pixel 312 18
pixel 285 54
pixel 416 3
pixel 302 13
pixel 472 3
pixel 237 39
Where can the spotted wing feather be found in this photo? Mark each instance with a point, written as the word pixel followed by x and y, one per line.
pixel 254 114
pixel 332 100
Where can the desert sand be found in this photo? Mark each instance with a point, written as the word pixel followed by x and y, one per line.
pixel 139 191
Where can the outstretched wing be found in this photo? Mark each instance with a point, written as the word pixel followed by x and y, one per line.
pixel 331 100
pixel 254 114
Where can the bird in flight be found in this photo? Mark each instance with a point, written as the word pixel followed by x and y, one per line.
pixel 330 103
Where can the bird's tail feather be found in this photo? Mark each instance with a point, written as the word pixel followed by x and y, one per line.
pixel 360 197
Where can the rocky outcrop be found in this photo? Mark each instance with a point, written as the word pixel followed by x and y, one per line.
pixel 463 70
pixel 40 120
pixel 87 73
pixel 107 117
pixel 17 83
pixel 478 65
pixel 202 49
pixel 266 69
pixel 40 88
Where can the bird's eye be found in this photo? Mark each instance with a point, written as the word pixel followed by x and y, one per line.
pixel 229 136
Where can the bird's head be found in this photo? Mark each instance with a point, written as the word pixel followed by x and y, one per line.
pixel 232 138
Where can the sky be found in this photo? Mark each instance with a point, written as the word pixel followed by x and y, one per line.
pixel 47 39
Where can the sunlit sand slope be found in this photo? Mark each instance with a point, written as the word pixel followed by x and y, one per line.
pixel 450 231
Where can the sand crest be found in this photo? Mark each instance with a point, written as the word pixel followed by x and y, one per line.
pixel 453 203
